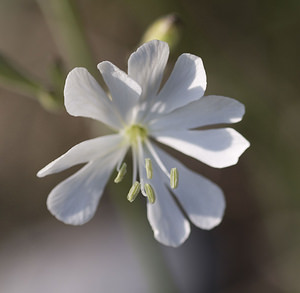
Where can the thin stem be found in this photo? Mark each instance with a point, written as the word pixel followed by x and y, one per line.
pixel 63 19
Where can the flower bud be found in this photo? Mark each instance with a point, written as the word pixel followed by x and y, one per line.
pixel 166 28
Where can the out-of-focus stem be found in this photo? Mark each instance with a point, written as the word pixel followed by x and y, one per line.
pixel 18 80
pixel 67 31
pixel 134 216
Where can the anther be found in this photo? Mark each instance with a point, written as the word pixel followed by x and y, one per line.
pixel 134 191
pixel 150 193
pixel 174 178
pixel 121 173
pixel 148 165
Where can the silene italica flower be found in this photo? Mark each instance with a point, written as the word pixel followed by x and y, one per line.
pixel 141 112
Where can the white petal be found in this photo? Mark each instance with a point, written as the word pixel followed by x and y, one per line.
pixel 209 110
pixel 169 225
pixel 125 92
pixel 75 200
pixel 83 152
pixel 217 148
pixel 146 66
pixel 84 97
pixel 201 199
pixel 186 83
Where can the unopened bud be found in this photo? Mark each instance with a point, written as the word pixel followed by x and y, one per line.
pixel 166 28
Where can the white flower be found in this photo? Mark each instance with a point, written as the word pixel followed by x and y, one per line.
pixel 141 113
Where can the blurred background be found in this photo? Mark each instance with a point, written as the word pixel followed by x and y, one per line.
pixel 250 51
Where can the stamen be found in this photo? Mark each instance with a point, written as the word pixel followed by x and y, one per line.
pixel 156 158
pixel 148 165
pixel 121 173
pixel 140 154
pixel 134 165
pixel 174 178
pixel 150 193
pixel 134 191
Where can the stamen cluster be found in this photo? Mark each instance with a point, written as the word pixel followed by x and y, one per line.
pixel 137 136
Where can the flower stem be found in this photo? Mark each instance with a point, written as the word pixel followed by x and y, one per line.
pixel 63 19
pixel 20 81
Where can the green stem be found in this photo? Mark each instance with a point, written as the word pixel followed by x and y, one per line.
pixel 63 19
pixel 18 80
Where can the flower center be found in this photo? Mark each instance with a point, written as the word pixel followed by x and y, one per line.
pixel 137 136
pixel 136 132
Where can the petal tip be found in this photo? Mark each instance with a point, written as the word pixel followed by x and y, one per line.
pixel 44 171
pixel 74 220
pixel 105 65
pixel 40 173
pixel 173 243
pixel 207 223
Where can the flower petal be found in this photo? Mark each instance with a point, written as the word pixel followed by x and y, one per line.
pixel 146 66
pixel 84 97
pixel 202 200
pixel 125 91
pixel 210 110
pixel 217 148
pixel 75 200
pixel 168 223
pixel 83 152
pixel 186 83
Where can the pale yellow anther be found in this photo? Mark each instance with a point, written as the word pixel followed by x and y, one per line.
pixel 121 173
pixel 150 193
pixel 134 191
pixel 174 178
pixel 148 165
